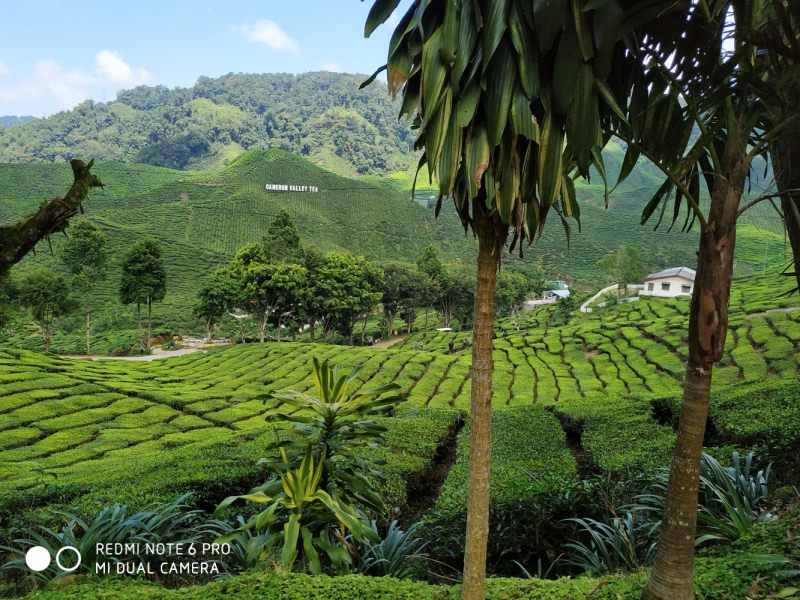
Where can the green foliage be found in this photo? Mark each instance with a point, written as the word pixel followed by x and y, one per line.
pixel 397 555
pixel 300 508
pixel 159 523
pixel 612 547
pixel 282 242
pixel 332 432
pixel 623 268
pixel 144 276
pixel 218 294
pixel 46 295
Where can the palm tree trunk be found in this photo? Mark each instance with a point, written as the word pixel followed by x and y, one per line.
pixel 88 349
pixel 673 572
pixel 480 445
pixel 785 155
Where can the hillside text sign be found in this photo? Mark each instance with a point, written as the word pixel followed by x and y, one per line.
pixel 280 187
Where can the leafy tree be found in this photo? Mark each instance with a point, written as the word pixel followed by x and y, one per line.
pixel 9 298
pixel 46 295
pixel 17 239
pixel 496 88
pixel 538 283
pixel 85 255
pixel 418 293
pixel 352 290
pixel 265 286
pixel 312 299
pixel 396 291
pixel 457 283
pixel 218 294
pixel 144 281
pixel 693 83
pixel 512 288
pixel 282 242
pixel 430 264
pixel 623 268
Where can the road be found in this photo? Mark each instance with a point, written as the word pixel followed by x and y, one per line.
pixel 157 354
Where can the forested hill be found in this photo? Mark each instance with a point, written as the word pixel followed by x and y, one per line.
pixel 323 116
pixel 9 121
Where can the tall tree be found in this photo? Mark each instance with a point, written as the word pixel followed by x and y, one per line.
pixel 144 281
pixel 396 291
pixel 85 255
pixel 352 289
pixel 430 264
pixel 497 87
pixel 17 239
pixel 282 242
pixel 265 286
pixel 782 56
pixel 695 83
pixel 512 288
pixel 9 298
pixel 46 295
pixel 218 294
pixel 313 296
pixel 417 294
pixel 457 282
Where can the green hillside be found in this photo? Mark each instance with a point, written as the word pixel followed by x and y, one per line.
pixel 323 116
pixel 203 217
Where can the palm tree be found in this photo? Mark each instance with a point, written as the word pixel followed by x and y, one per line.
pixel 692 84
pixel 495 89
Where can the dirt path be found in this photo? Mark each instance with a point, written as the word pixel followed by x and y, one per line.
pixel 391 342
pixel 157 354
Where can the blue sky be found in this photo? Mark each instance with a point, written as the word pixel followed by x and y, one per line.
pixel 54 55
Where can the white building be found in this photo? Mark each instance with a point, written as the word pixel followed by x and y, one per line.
pixel 669 283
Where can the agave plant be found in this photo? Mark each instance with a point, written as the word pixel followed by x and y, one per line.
pixel 299 508
pixel 394 556
pixel 727 499
pixel 334 432
pixel 612 547
pixel 158 523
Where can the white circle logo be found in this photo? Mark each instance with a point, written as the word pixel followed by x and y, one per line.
pixel 37 558
pixel 62 567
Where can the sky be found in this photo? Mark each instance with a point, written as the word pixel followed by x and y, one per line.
pixel 54 55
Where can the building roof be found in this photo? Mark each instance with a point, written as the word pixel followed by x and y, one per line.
pixel 684 272
pixel 559 293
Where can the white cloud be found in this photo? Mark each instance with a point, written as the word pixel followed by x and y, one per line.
pixel 331 66
pixel 60 88
pixel 268 32
pixel 49 78
pixel 110 66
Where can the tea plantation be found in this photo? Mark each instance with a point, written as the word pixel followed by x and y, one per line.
pixel 579 401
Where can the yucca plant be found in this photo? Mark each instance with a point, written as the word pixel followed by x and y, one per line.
pixel 335 433
pixel 299 508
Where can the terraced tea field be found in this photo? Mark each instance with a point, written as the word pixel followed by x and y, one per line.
pixel 191 423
